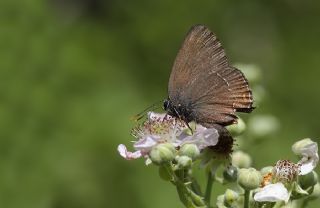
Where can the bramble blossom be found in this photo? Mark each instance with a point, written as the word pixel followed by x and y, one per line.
pixel 285 173
pixel 162 128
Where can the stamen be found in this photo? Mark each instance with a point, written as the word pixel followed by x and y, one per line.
pixel 158 126
pixel 286 171
pixel 266 179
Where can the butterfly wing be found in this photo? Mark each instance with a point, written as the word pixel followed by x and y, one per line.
pixel 200 52
pixel 202 80
pixel 219 102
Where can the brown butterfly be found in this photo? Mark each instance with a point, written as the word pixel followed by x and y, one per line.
pixel 203 87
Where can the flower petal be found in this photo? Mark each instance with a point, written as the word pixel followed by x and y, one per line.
pixel 309 152
pixel 122 149
pixel 145 144
pixel 308 164
pixel 203 138
pixel 272 193
pixel 148 161
pixel 157 116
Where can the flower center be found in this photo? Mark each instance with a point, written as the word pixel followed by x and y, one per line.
pixel 286 171
pixel 159 126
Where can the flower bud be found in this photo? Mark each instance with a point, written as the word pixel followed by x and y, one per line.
pixel 190 150
pixel 220 202
pixel 259 93
pixel 238 128
pixel 306 181
pixel 162 153
pixel 298 192
pixel 230 174
pixel 251 71
pixel 241 159
pixel 184 161
pixel 300 146
pixel 263 125
pixel 230 197
pixel 249 179
pixel 316 192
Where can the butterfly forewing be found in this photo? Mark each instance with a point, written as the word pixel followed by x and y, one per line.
pixel 200 51
pixel 204 84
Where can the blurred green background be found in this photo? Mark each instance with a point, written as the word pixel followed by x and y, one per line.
pixel 73 72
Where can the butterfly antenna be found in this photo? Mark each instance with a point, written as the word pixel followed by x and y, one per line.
pixel 140 115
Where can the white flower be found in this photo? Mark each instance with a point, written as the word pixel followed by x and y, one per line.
pixel 308 150
pixel 284 172
pixel 162 128
pixel 272 193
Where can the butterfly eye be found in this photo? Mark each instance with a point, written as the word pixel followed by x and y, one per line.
pixel 166 104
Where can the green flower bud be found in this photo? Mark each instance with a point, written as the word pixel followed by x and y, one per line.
pixel 263 125
pixel 259 93
pixel 298 192
pixel 306 181
pixel 251 71
pixel 266 170
pixel 220 202
pixel 184 161
pixel 190 150
pixel 238 128
pixel 162 153
pixel 249 179
pixel 230 197
pixel 230 174
pixel 316 192
pixel 241 159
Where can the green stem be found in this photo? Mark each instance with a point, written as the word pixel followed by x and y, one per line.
pixel 278 204
pixel 187 196
pixel 183 195
pixel 195 187
pixel 304 203
pixel 246 198
pixel 207 196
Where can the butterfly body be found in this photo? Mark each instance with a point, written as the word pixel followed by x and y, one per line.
pixel 203 87
pixel 180 110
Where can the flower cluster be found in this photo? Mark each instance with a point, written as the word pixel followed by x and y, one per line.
pixel 285 183
pixel 176 147
pixel 282 181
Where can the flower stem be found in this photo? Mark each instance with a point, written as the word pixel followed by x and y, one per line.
pixel 195 187
pixel 246 198
pixel 183 195
pixel 278 204
pixel 207 196
pixel 189 198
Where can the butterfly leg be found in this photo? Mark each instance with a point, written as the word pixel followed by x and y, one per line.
pixel 189 127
